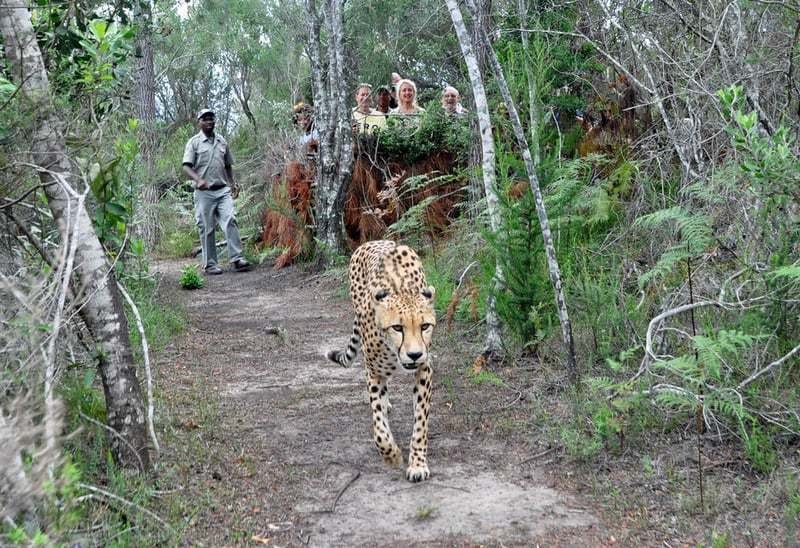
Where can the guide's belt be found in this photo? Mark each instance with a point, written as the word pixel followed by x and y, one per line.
pixel 214 187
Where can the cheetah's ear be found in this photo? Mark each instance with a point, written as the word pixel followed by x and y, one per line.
pixel 428 292
pixel 381 294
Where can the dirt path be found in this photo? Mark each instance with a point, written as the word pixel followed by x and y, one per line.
pixel 267 443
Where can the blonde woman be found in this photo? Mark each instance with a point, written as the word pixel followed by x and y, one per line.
pixel 407 99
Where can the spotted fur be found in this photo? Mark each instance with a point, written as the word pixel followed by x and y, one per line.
pixel 394 320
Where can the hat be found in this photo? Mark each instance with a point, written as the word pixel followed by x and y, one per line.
pixel 204 112
pixel 383 88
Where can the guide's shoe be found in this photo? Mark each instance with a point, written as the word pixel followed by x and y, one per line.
pixel 241 265
pixel 213 270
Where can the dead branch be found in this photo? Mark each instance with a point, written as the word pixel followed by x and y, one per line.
pixel 768 368
pixel 147 372
pixel 343 489
pixel 97 491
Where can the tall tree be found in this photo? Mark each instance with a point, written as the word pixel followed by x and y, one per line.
pixel 544 223
pixel 146 111
pixel 493 347
pixel 331 119
pixel 102 312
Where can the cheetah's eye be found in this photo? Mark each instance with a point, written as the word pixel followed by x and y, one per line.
pixel 398 328
pixel 426 326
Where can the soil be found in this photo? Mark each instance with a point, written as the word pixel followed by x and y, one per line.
pixel 265 442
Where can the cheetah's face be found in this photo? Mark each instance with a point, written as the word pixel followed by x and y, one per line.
pixel 406 324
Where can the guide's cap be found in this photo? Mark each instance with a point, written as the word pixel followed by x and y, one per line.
pixel 381 89
pixel 204 112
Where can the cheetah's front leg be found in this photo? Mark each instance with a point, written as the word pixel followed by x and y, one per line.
pixel 381 433
pixel 418 454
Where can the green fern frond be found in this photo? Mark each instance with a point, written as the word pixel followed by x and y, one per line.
pixel 789 272
pixel 686 369
pixel 600 205
pixel 694 232
pixel 727 404
pixel 603 384
pixel 412 219
pixel 676 400
pixel 426 180
pixel 711 350
pixel 665 264
pixel 661 217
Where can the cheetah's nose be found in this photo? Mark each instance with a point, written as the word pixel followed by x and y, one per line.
pixel 414 355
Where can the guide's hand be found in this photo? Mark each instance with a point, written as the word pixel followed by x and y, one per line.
pixel 201 184
pixel 235 190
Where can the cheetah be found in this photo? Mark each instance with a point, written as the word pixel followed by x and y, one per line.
pixel 394 320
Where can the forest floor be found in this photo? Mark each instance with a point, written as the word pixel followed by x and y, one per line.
pixel 265 442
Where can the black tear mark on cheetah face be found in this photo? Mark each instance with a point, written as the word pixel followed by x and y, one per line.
pixel 406 324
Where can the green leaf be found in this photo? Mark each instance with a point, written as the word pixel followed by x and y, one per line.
pixel 88 378
pixel 98 28
pixel 790 272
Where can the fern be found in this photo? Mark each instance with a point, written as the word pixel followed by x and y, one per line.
pixel 727 404
pixel 581 195
pixel 711 350
pixel 694 233
pixel 603 384
pixel 686 369
pixel 680 401
pixel 790 273
pixel 412 220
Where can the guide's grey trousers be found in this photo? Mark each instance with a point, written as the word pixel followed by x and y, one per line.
pixel 212 207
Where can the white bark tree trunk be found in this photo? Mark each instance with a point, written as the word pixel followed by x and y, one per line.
pixel 544 223
pixel 533 83
pixel 493 347
pixel 102 312
pixel 332 121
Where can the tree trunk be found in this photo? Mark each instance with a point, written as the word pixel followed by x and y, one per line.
pixel 544 223
pixel 476 186
pixel 332 122
pixel 102 312
pixel 242 87
pixel 533 82
pixel 146 224
pixel 493 347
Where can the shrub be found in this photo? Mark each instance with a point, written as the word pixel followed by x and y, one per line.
pixel 191 278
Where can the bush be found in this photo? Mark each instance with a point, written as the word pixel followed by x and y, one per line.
pixel 191 278
pixel 436 133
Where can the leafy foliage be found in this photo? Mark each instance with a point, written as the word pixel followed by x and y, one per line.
pixel 191 278
pixel 434 132
pixel 694 236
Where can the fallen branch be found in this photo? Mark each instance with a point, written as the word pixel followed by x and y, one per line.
pixel 768 368
pixel 126 502
pixel 649 355
pixel 342 490
pixel 147 372
pixel 114 433
pixel 538 455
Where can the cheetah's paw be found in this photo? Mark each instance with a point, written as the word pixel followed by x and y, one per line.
pixel 415 473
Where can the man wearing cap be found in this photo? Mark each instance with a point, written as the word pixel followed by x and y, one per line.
pixel 208 162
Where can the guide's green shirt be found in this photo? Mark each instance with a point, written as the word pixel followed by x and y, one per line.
pixel 208 157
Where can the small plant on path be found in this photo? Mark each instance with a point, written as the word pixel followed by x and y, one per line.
pixel 191 278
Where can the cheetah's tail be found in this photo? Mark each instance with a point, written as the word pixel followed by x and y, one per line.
pixel 345 359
